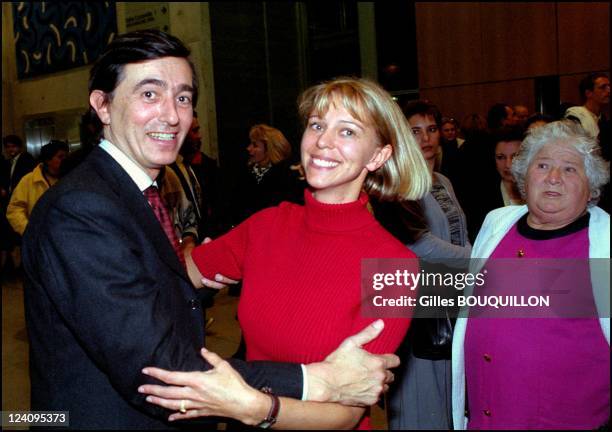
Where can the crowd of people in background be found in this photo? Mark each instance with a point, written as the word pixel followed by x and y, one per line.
pixel 473 155
pixel 484 162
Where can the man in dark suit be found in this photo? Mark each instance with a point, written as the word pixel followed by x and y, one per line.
pixel 20 161
pixel 18 164
pixel 5 228
pixel 105 291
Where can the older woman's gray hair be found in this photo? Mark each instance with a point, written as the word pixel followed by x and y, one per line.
pixel 597 170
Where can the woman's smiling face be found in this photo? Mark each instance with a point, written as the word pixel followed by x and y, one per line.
pixel 338 151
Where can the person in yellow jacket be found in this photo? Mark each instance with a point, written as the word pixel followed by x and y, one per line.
pixel 31 187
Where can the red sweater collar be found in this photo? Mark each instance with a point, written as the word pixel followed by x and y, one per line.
pixel 337 217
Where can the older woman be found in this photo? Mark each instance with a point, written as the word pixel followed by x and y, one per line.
pixel 535 373
pixel 301 265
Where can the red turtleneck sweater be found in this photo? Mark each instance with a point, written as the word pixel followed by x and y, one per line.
pixel 301 267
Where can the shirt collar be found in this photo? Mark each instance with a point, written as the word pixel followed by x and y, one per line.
pixel 507 199
pixel 140 177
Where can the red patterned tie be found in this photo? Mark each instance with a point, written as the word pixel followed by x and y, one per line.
pixel 161 213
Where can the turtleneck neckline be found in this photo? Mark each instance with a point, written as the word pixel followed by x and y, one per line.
pixel 538 234
pixel 337 217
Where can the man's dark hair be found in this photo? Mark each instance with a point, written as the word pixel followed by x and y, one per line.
pixel 539 117
pixel 507 133
pixel 424 108
pixel 136 47
pixel 496 115
pixel 588 83
pixel 12 139
pixel 49 150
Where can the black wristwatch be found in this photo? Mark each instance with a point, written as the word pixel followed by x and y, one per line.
pixel 273 413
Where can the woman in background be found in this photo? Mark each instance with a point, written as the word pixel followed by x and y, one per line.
pixel 503 191
pixel 268 179
pixel 507 143
pixel 450 147
pixel 33 185
pixel 434 228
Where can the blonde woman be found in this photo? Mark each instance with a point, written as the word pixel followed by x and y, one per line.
pixel 267 179
pixel 301 265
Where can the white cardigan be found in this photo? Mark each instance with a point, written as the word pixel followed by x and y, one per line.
pixel 495 227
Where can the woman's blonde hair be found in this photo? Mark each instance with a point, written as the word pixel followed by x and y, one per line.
pixel 277 147
pixel 405 175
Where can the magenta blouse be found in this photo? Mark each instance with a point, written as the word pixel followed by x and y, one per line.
pixel 538 373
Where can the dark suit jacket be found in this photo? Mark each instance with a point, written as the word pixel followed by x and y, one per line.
pixel 277 185
pixel 480 207
pixel 105 296
pixel 207 173
pixel 6 231
pixel 24 165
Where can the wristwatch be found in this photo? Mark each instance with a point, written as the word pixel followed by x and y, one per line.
pixel 273 413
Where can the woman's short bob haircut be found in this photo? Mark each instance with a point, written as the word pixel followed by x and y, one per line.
pixel 405 175
pixel 597 170
pixel 277 147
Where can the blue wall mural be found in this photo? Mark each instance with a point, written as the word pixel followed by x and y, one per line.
pixel 55 36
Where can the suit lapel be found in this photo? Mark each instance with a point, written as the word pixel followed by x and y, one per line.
pixel 134 201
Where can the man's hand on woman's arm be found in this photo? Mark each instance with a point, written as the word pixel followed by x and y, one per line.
pixel 349 376
pixel 196 277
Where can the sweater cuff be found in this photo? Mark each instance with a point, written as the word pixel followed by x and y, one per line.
pixel 304 382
